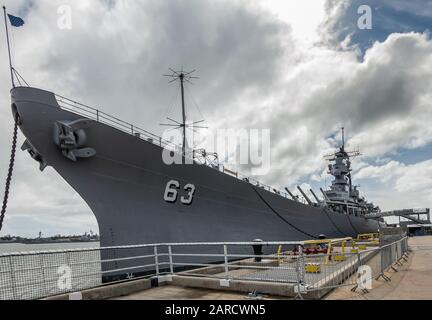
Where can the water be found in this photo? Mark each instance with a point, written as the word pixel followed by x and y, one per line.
pixel 20 247
pixel 32 276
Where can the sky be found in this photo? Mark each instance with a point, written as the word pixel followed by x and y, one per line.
pixel 302 69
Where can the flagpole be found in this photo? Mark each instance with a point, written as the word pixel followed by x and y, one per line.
pixel 8 45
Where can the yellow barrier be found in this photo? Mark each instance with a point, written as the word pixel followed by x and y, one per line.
pixel 329 243
pixel 279 251
pixel 313 268
pixel 339 257
pixel 368 236
pixel 353 247
pixel 366 239
pixel 372 237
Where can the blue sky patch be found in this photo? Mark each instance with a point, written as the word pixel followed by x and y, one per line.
pixel 398 16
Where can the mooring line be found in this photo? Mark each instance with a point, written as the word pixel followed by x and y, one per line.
pixel 352 225
pixel 280 216
pixel 334 224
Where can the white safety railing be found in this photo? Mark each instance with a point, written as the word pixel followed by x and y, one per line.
pixel 34 275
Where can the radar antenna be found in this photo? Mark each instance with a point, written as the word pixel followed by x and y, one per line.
pixel 350 154
pixel 182 76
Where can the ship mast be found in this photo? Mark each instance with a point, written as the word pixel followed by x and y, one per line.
pixel 343 138
pixel 182 76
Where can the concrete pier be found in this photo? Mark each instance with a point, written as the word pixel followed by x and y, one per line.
pixel 412 281
pixel 410 278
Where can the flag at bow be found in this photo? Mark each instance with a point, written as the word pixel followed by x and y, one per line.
pixel 15 21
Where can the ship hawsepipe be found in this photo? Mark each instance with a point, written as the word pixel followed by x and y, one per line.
pixel 123 180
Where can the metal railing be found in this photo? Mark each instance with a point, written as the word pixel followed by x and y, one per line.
pixel 35 275
pixel 102 117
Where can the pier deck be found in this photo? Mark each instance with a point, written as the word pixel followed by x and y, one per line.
pixel 412 281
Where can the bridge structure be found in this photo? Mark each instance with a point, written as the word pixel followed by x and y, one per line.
pixel 420 216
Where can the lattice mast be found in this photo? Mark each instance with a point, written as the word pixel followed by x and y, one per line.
pixel 182 77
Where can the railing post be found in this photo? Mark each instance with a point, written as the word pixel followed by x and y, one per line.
pixel 300 268
pixel 383 258
pixel 301 265
pixel 14 293
pixel 170 259
pixel 97 115
pixel 68 261
pixel 156 260
pixel 132 129
pixel 42 268
pixel 226 259
pixel 397 251
pixel 358 260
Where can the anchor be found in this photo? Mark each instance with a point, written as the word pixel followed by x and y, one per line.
pixel 71 137
pixel 34 154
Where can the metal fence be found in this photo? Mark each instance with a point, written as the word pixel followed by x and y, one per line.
pixel 35 275
pixel 358 268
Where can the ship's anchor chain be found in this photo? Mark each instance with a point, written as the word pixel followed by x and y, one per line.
pixel 10 172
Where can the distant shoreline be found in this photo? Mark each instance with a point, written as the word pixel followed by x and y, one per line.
pixel 47 241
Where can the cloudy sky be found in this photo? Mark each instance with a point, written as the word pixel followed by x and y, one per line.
pixel 300 68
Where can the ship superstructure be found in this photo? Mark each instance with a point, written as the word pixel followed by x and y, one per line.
pixel 343 196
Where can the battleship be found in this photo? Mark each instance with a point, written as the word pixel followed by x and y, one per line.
pixel 118 170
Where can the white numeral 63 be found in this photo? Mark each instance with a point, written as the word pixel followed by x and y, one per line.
pixel 171 192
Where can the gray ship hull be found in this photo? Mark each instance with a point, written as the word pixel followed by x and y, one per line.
pixel 125 182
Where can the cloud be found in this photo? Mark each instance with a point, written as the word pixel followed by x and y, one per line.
pixel 340 28
pixel 382 101
pixel 397 185
pixel 114 58
pixel 254 74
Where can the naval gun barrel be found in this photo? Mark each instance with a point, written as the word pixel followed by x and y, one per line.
pixel 324 194
pixel 292 196
pixel 305 196
pixel 315 196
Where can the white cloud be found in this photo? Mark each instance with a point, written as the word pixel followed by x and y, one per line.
pixel 303 16
pixel 255 73
pixel 398 185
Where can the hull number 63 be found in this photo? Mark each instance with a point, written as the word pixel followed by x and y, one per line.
pixel 171 192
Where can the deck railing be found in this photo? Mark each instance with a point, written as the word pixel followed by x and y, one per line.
pixel 102 117
pixel 305 264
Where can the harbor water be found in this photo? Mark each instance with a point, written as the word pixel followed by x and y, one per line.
pixel 41 275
